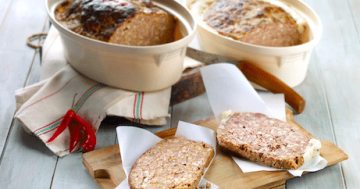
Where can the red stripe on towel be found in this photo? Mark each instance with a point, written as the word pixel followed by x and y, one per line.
pixel 48 95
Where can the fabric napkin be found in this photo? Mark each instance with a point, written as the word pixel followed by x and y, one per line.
pixel 41 106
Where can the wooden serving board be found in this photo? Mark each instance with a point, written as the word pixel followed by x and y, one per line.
pixel 105 166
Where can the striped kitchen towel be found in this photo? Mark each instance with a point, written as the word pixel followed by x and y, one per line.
pixel 42 106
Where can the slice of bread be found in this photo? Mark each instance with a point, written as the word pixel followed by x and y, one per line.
pixel 269 141
pixel 171 163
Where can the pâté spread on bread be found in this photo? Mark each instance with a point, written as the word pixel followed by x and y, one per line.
pixel 258 22
pixel 269 141
pixel 171 163
pixel 126 22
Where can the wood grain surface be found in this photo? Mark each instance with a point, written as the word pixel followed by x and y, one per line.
pixel 105 164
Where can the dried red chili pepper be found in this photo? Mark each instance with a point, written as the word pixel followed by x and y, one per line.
pixel 74 135
pixel 70 114
pixel 90 141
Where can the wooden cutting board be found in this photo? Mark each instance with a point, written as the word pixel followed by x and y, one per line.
pixel 105 166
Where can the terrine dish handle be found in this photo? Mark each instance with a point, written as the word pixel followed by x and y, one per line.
pixel 273 84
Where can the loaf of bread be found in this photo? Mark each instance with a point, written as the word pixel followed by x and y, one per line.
pixel 171 163
pixel 269 141
pixel 258 22
pixel 126 22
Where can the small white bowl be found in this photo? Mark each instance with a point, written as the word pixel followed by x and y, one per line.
pixel 289 64
pixel 136 68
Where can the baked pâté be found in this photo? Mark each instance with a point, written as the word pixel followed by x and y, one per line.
pixel 171 163
pixel 125 22
pixel 258 22
pixel 269 141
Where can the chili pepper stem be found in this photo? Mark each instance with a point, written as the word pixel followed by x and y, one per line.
pixel 73 102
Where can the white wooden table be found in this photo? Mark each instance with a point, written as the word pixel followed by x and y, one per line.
pixel 331 89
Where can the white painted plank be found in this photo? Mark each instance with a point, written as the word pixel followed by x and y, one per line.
pixel 26 162
pixel 16 24
pixel 338 55
pixel 3 10
pixel 14 67
pixel 25 159
pixel 191 110
pixel 70 171
pixel 72 174
pixel 23 18
pixel 354 6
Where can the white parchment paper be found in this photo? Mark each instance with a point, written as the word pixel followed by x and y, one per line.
pixel 134 141
pixel 228 89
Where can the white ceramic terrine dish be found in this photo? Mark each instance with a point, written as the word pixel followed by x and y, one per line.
pixel 289 64
pixel 135 68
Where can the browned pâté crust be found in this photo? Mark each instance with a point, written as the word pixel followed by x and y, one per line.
pixel 259 138
pixel 255 22
pixel 125 22
pixel 171 163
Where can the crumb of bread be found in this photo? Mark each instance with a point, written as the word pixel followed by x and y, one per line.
pixel 208 185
